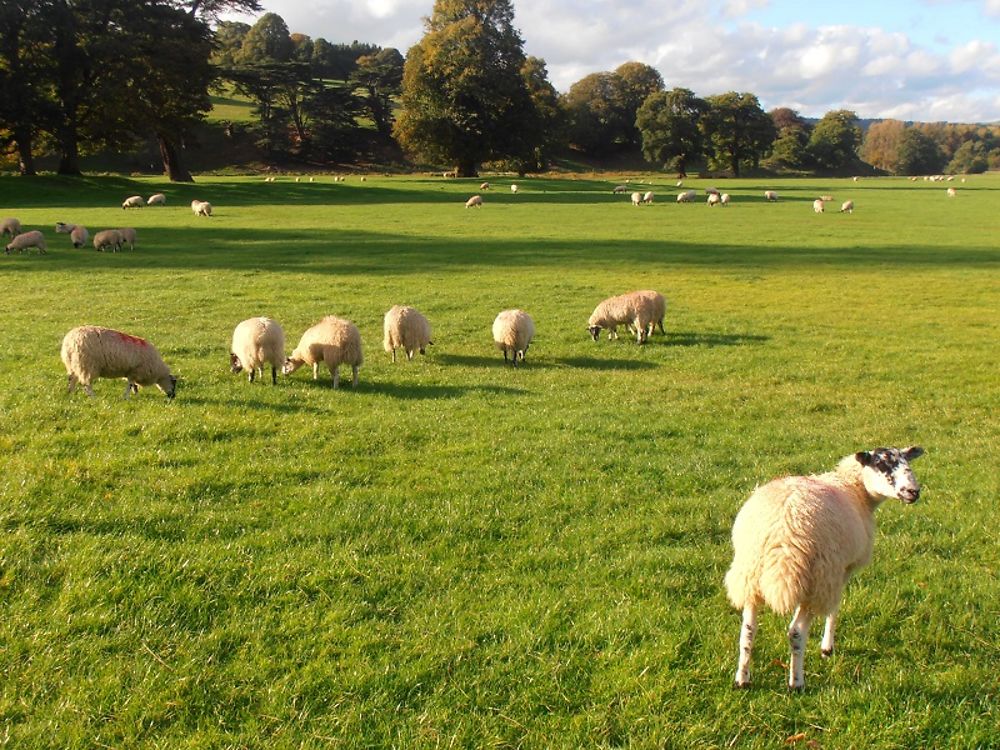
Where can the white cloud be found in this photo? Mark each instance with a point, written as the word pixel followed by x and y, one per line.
pixel 992 8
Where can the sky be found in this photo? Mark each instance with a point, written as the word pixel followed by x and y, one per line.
pixel 926 60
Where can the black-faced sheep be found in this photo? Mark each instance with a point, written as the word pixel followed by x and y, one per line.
pixel 257 341
pixel 639 311
pixel 847 207
pixel 797 540
pixel 91 352
pixel 333 341
pixel 405 328
pixel 78 235
pixel 513 331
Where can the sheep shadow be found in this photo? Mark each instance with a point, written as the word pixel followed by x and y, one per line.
pixel 283 408
pixel 712 340
pixel 419 392
pixel 595 363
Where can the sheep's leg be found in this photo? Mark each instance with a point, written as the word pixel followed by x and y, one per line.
pixel 315 370
pixel 409 355
pixel 71 381
pixel 826 648
pixel 354 376
pixel 128 389
pixel 336 376
pixel 89 389
pixel 274 375
pixel 252 374
pixel 394 355
pixel 505 355
pixel 747 633
pixel 798 633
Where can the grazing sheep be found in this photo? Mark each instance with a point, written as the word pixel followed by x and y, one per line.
pixel 770 195
pixel 724 199
pixel 256 341
pixel 687 196
pixel 797 541
pixel 818 205
pixel 647 197
pixel 405 328
pixel 91 352
pixel 133 201
pixel 634 309
pixel 10 226
pixel 657 306
pixel 713 199
pixel 514 189
pixel 157 199
pixel 201 208
pixel 484 186
pixel 513 331
pixel 78 235
pixel 826 198
pixel 680 183
pixel 128 235
pixel 855 179
pixel 636 199
pixel 711 191
pixel 952 192
pixel 26 240
pixel 108 238
pixel 620 189
pixel 475 200
pixel 333 341
pixel 847 207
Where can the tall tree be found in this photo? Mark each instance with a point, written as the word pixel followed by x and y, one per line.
pixel 210 10
pixel 917 153
pixel 268 41
pixel 546 128
pixel 229 36
pixel 835 140
pixel 881 145
pixel 464 100
pixel 637 82
pixel 381 77
pixel 22 75
pixel 790 145
pixel 595 116
pixel 739 131
pixel 670 123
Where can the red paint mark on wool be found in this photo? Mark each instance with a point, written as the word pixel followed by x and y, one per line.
pixel 134 340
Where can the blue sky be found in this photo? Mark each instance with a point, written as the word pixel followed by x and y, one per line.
pixel 918 60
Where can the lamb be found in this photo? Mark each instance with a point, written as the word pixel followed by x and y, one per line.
pixel 797 540
pixel 770 195
pixel 636 309
pixel 10 226
pixel 475 200
pixel 133 201
pixel 405 328
pixel 647 197
pixel 724 199
pixel 713 199
pixel 333 341
pixel 256 341
pixel 108 238
pixel 636 199
pixel 513 331
pixel 157 199
pixel 91 352
pixel 128 235
pixel 78 235
pixel 201 208
pixel 818 205
pixel 26 240
pixel 687 196
pixel 847 207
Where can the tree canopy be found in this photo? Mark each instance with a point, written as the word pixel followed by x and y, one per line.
pixel 739 132
pixel 671 126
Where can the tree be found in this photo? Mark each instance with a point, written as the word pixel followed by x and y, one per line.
pixel 268 41
pixel 835 139
pixel 637 82
pixel 548 120
pixel 790 146
pixel 381 77
pixel 211 9
pixel 229 36
pixel 738 130
pixel 464 100
pixel 669 122
pixel 594 113
pixel 22 76
pixel 881 145
pixel 917 153
pixel 972 157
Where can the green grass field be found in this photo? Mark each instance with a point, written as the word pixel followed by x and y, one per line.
pixel 461 554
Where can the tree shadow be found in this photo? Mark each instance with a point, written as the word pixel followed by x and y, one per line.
pixel 420 392
pixel 712 340
pixel 596 363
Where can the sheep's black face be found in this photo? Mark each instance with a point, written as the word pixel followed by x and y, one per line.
pixel 234 363
pixel 888 473
pixel 595 332
pixel 172 390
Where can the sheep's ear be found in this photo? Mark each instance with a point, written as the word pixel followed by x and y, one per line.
pixel 864 458
pixel 914 451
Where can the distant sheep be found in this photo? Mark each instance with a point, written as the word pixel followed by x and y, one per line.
pixel 484 186
pixel 724 199
pixel 133 201
pixel 711 191
pixel 475 200
pixel 847 207
pixel 201 208
pixel 620 189
pixel 514 189
pixel 10 226
pixel 128 235
pixel 818 205
pixel 797 541
pixel 770 195
pixel 713 199
pixel 27 240
pixel 257 341
pixel 688 196
pixel 78 235
pixel 647 197
pixel 826 198
pixel 91 352
pixel 513 331
pixel 405 328
pixel 157 199
pixel 636 199
pixel 108 238
pixel 951 192
pixel 334 342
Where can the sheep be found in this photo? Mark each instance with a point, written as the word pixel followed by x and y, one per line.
pixel 108 238
pixel 91 352
pixel 157 199
pixel 10 226
pixel 647 197
pixel 680 183
pixel 619 189
pixel 513 331
pixel 475 200
pixel 818 205
pixel 333 341
pixel 256 341
pixel 687 196
pixel 847 207
pixel 826 198
pixel 952 192
pixel 133 201
pixel 713 199
pixel 711 191
pixel 770 195
pixel 724 199
pixel 405 328
pixel 78 235
pixel 128 235
pixel 797 540
pixel 636 199
pixel 484 186
pixel 201 208
pixel 637 309
pixel 514 189
pixel 25 240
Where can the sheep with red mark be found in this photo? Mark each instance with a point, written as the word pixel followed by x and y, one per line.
pixel 92 352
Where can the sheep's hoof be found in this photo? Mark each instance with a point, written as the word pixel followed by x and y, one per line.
pixel 826 653
pixel 796 688
pixel 741 685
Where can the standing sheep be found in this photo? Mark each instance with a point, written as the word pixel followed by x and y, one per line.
pixel 484 186
pixel 634 309
pixel 201 208
pixel 636 199
pixel 514 189
pixel 952 192
pixel 475 200
pixel 619 189
pixel 23 241
pixel 405 328
pixel 797 541
pixel 133 201
pixel 513 331
pixel 10 226
pixel 91 352
pixel 687 196
pixel 648 197
pixel 333 341
pixel 128 235
pixel 724 199
pixel 78 235
pixel 770 196
pixel 713 199
pixel 847 207
pixel 157 199
pixel 256 341
pixel 818 205
pixel 108 238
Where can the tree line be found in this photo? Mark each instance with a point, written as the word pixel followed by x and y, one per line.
pixel 103 74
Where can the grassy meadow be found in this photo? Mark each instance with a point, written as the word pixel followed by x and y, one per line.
pixel 463 554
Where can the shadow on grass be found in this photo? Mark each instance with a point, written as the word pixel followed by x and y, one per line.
pixel 711 340
pixel 596 363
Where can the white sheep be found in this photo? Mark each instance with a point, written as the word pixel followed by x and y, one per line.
pixel 657 306
pixel 647 197
pixel 680 183
pixel 257 341
pixel 484 186
pixel 133 201
pixel 513 331
pixel 687 196
pixel 713 199
pixel 636 199
pixel 847 207
pixel 10 226
pixel 26 240
pixel 952 192
pixel 514 189
pixel 91 352
pixel 826 198
pixel 78 235
pixel 128 235
pixel 797 540
pixel 334 342
pixel 818 205
pixel 724 199
pixel 405 328
pixel 157 199
pixel 108 238
pixel 475 200
pixel 201 208
pixel 770 195
pixel 620 189
pixel 637 310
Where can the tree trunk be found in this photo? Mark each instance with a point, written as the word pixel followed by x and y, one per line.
pixel 466 168
pixel 26 165
pixel 69 162
pixel 172 164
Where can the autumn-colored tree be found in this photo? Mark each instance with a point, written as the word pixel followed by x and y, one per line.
pixel 881 145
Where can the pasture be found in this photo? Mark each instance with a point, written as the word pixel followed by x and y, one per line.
pixel 461 554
